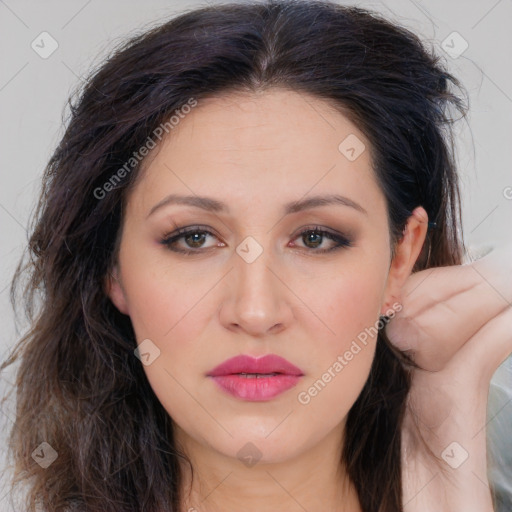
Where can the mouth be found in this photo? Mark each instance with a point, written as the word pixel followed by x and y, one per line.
pixel 245 365
pixel 251 379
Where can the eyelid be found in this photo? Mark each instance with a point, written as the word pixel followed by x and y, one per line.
pixel 186 230
pixel 316 227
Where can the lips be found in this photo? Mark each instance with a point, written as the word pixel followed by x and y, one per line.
pixel 247 365
pixel 255 380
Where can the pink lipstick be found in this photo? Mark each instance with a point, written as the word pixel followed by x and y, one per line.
pixel 256 380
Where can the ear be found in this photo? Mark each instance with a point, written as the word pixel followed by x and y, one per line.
pixel 114 290
pixel 407 251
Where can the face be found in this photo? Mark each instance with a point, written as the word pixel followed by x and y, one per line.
pixel 260 271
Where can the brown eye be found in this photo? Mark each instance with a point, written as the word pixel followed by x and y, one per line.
pixel 194 239
pixel 314 237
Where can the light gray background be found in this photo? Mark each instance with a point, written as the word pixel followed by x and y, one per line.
pixel 33 92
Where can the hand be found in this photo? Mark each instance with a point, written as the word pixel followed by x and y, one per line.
pixel 456 325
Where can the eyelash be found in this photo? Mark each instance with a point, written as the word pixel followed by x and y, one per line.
pixel 169 239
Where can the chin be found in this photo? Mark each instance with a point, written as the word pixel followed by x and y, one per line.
pixel 262 449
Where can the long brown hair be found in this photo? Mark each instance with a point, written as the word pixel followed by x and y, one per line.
pixel 89 398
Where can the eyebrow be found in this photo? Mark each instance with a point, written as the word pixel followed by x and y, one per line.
pixel 212 205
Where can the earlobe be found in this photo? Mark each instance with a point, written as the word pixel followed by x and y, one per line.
pixel 115 292
pixel 407 251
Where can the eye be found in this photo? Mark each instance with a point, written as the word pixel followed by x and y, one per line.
pixel 313 237
pixel 194 237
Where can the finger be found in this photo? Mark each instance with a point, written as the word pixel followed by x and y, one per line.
pixel 433 285
pixel 432 333
pixel 438 284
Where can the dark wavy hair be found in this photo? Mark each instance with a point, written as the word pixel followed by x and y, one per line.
pixel 90 398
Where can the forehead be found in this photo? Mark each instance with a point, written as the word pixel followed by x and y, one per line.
pixel 269 144
pixel 271 120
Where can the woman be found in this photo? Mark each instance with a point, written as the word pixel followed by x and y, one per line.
pixel 243 198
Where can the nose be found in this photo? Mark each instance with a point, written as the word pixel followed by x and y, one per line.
pixel 257 299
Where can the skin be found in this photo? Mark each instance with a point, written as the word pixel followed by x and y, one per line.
pixel 456 323
pixel 256 152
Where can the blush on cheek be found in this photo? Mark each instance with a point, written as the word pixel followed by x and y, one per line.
pixel 354 309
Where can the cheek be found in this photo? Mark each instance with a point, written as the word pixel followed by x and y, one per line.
pixel 342 359
pixel 162 299
pixel 349 305
pixel 171 311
